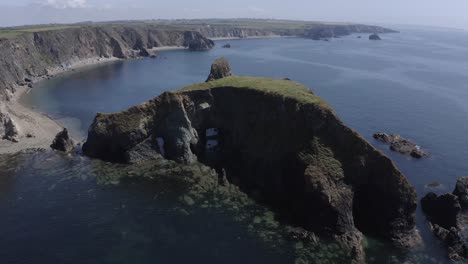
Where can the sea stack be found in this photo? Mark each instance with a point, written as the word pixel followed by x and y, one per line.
pixel 374 37
pixel 219 69
pixel 63 142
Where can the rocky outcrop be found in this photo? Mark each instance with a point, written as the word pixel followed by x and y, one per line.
pixel 195 42
pixel 277 140
pixel 461 191
pixel 32 55
pixel 401 145
pixel 63 142
pixel 219 69
pixel 442 210
pixel 447 222
pixel 9 129
pixel 374 37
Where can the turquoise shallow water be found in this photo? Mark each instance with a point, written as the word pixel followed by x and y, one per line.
pixel 414 83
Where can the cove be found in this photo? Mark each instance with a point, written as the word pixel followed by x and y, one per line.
pixel 390 86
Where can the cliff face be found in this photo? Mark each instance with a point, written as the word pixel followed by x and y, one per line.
pixel 35 54
pixel 333 31
pixel 276 140
pixel 239 32
pixel 313 31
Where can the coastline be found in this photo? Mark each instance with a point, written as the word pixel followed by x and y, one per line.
pixel 253 37
pixel 36 129
pixel 40 126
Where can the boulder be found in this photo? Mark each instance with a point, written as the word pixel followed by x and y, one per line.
pixel 461 191
pixel 219 69
pixel 374 37
pixel 401 145
pixel 9 129
pixel 63 142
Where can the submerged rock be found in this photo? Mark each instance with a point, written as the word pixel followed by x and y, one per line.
pixel 282 144
pixel 374 37
pixel 401 145
pixel 219 69
pixel 63 142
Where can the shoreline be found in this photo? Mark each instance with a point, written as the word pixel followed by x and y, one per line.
pixel 37 130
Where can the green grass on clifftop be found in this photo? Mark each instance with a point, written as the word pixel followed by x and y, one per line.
pixel 15 32
pixel 279 87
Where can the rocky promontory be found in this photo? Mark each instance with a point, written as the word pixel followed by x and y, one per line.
pixel 280 143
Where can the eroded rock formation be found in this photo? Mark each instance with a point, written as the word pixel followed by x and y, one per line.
pixel 275 139
pixel 446 222
pixel 219 69
pixel 63 142
pixel 9 130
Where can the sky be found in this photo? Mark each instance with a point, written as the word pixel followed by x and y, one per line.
pixel 441 13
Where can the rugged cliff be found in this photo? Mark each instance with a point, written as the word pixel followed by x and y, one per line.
pixel 333 31
pixel 280 143
pixel 312 30
pixel 32 55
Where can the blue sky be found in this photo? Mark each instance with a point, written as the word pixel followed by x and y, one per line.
pixel 448 13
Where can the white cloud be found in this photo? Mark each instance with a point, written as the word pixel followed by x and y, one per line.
pixel 67 3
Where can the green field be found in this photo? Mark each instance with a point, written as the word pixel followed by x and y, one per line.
pixel 177 24
pixel 279 87
pixel 9 33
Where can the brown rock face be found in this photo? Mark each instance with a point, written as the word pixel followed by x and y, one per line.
pixel 219 69
pixel 34 54
pixel 301 159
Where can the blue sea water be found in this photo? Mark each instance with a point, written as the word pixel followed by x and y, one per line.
pixel 414 83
